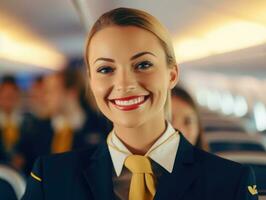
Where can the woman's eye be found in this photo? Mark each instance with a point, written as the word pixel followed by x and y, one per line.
pixel 105 70
pixel 144 65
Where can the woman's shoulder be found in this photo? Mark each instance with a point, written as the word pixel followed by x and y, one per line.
pixel 215 166
pixel 211 159
pixel 71 157
pixel 205 159
pixel 57 172
pixel 63 163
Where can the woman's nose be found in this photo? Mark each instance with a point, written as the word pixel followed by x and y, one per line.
pixel 125 81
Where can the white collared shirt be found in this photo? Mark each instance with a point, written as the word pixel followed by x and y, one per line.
pixel 163 151
pixel 15 117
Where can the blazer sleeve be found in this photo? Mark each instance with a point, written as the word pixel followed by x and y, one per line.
pixel 34 188
pixel 247 189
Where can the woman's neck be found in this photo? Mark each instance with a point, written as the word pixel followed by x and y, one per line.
pixel 140 139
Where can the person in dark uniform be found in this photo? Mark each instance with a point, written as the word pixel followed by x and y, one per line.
pixel 132 69
pixel 10 115
pixel 61 125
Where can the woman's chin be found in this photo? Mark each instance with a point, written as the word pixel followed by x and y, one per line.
pixel 128 123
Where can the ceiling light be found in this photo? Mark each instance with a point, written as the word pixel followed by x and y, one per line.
pixel 225 38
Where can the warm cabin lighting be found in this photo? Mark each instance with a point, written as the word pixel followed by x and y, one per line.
pixel 228 37
pixel 260 116
pixel 240 106
pixel 18 44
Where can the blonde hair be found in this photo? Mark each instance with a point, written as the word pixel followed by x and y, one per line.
pixel 143 20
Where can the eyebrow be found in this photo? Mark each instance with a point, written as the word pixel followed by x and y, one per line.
pixel 132 58
pixel 141 54
pixel 105 59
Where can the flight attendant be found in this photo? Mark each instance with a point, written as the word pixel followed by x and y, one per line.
pixel 63 125
pixel 131 69
pixel 186 117
pixel 10 116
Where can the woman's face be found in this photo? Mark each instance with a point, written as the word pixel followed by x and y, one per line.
pixel 129 76
pixel 54 94
pixel 185 119
pixel 9 97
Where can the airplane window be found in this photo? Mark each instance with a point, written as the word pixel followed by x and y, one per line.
pixel 213 100
pixel 227 103
pixel 241 106
pixel 260 116
pixel 201 96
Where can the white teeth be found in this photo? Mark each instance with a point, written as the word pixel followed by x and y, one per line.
pixel 129 102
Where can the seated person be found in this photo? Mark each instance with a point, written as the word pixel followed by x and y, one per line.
pixel 186 117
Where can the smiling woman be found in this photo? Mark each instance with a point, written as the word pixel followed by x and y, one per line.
pixel 132 69
pixel 128 80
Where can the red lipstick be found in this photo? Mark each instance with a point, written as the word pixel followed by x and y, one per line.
pixel 129 103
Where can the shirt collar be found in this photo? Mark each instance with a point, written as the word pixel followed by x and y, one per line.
pixel 15 118
pixel 163 151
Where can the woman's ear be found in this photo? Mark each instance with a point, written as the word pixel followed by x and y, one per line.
pixel 174 76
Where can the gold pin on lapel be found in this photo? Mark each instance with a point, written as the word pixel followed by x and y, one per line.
pixel 252 189
pixel 35 177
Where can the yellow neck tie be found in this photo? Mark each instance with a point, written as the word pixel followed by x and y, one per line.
pixel 62 140
pixel 10 135
pixel 142 186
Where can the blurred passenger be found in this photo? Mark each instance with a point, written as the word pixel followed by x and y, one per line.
pixel 10 116
pixel 186 117
pixel 36 98
pixel 64 124
pixel 35 116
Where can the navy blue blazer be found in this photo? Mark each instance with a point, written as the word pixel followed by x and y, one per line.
pixel 87 175
pixel 37 136
pixel 3 153
pixel 6 191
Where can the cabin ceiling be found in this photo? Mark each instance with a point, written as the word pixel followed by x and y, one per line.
pixel 58 24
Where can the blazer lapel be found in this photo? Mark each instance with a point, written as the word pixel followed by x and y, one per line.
pixel 99 174
pixel 173 185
